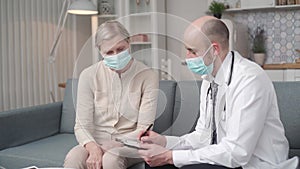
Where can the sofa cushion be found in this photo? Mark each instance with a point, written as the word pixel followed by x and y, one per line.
pixel 165 107
pixel 288 97
pixel 69 105
pixel 187 107
pixel 25 125
pixel 48 152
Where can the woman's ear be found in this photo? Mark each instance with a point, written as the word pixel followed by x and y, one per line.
pixel 129 49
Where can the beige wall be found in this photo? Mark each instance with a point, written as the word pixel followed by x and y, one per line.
pixel 84 56
pixel 188 10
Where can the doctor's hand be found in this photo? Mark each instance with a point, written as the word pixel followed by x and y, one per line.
pixel 154 138
pixel 94 161
pixel 155 155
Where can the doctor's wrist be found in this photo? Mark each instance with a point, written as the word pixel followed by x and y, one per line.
pixel 169 156
pixel 163 141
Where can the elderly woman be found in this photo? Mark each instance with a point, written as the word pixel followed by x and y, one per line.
pixel 116 99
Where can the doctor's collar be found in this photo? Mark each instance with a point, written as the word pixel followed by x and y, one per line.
pixel 224 73
pixel 208 78
pixel 219 78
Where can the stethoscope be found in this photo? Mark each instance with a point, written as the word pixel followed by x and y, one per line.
pixel 228 83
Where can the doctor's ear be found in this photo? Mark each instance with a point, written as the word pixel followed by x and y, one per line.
pixel 216 49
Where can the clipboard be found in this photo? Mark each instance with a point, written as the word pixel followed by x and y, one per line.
pixel 130 143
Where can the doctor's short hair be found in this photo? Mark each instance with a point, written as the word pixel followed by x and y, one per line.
pixel 110 29
pixel 217 31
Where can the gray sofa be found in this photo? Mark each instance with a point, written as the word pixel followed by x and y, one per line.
pixel 42 135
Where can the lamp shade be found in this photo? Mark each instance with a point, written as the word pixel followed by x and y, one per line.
pixel 82 7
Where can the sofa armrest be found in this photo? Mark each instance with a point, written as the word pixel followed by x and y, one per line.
pixel 25 125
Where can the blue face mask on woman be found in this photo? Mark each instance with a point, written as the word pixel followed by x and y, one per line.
pixel 198 66
pixel 117 61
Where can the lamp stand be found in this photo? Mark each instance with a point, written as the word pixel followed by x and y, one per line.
pixel 52 56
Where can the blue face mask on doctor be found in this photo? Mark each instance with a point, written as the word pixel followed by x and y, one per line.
pixel 198 66
pixel 118 61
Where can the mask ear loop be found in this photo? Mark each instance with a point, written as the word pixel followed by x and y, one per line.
pixel 215 56
pixel 129 49
pixel 99 52
pixel 206 54
pixel 214 59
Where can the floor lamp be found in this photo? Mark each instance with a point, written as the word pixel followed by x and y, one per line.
pixel 78 7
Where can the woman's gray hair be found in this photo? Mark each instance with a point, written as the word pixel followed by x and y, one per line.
pixel 110 29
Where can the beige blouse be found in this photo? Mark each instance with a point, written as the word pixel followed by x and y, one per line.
pixel 110 106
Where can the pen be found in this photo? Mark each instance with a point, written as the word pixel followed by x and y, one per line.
pixel 144 134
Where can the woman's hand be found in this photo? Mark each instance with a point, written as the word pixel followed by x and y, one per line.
pixel 94 161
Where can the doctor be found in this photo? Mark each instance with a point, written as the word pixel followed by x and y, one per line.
pixel 239 125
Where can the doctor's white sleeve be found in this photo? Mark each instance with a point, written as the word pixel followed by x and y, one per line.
pixel 248 108
pixel 200 137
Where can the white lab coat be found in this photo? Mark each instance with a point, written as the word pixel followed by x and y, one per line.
pixel 250 133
